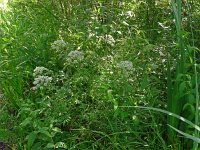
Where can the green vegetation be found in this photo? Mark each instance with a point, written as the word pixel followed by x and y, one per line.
pixel 99 74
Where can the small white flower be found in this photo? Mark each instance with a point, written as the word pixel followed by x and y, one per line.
pixel 129 14
pixel 91 35
pixel 108 58
pixel 109 39
pixel 127 65
pixel 34 88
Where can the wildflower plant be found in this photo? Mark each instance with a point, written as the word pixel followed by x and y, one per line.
pixel 125 65
pixel 41 78
pixel 115 83
pixel 102 62
pixel 108 39
pixel 76 55
pixel 39 70
pixel 58 45
pixel 125 68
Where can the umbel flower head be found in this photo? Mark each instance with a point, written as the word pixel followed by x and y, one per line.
pixel 58 45
pixel 41 80
pixel 76 55
pixel 39 70
pixel 127 65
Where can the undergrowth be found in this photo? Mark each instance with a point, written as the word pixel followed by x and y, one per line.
pixel 67 68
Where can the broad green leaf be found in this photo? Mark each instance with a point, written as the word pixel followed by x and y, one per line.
pixel 45 132
pixel 50 145
pixel 26 122
pixel 36 146
pixel 31 139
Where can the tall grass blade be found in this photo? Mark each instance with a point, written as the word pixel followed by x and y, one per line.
pixel 168 113
pixel 195 145
pixel 175 99
pixel 197 128
pixel 195 139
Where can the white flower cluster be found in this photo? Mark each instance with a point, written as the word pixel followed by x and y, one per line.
pixel 39 70
pixel 109 40
pixel 76 55
pixel 41 80
pixel 57 45
pixel 127 65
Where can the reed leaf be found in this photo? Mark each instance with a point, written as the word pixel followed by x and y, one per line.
pixel 175 99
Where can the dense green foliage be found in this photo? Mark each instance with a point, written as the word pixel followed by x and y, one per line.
pixel 99 74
